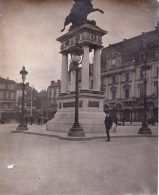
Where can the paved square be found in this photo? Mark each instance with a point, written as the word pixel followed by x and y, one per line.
pixel 48 166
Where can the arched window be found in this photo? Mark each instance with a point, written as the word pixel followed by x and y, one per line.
pixel 113 91
pixel 118 106
pixel 141 91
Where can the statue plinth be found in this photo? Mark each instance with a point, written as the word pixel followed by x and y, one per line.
pixel 91 115
pixel 83 34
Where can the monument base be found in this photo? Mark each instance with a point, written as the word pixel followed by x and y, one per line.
pixel 91 114
pixel 76 131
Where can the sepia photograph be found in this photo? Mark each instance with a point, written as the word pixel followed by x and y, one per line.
pixel 79 97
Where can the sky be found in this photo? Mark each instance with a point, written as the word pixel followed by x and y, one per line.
pixel 29 29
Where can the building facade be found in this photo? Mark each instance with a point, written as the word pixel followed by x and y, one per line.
pixel 7 99
pixel 122 77
pixel 42 103
pixel 53 92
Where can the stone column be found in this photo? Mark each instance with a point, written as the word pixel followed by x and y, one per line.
pixel 64 74
pixel 96 71
pixel 73 76
pixel 85 69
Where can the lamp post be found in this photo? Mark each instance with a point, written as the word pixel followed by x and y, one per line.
pixel 22 125
pixel 76 56
pixel 145 129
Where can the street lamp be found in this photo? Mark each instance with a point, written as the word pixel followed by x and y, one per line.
pixel 22 125
pixel 76 57
pixel 145 129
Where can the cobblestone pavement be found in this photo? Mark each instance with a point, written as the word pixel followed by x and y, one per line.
pixel 121 131
pixel 48 166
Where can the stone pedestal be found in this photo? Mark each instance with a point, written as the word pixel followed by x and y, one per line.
pixel 91 115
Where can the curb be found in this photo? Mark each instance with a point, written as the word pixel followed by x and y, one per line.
pixel 81 138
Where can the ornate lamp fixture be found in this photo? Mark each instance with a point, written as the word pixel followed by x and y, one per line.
pixel 145 129
pixel 76 58
pixel 23 125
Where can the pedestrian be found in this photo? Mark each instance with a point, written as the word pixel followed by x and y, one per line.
pixel 31 120
pixel 45 120
pixel 26 120
pixel 39 120
pixel 123 120
pixel 42 119
pixel 108 124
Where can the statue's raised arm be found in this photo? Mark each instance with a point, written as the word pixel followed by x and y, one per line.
pixel 79 13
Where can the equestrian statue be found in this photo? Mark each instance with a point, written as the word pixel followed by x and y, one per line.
pixel 79 12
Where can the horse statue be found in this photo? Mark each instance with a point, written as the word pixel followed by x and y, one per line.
pixel 79 13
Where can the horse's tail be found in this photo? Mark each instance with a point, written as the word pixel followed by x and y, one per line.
pixel 63 29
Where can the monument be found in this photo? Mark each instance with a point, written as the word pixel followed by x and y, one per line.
pixel 88 36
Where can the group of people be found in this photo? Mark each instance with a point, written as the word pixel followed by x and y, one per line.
pixel 111 123
pixel 40 120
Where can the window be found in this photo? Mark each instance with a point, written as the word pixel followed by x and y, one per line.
pixel 14 95
pixel 142 57
pixel 113 94
pixel 9 95
pixel 127 77
pixel 142 91
pixel 55 93
pixel 6 86
pixel 9 106
pixel 113 79
pixel 50 94
pixel 127 93
pixel 91 84
pixel 141 74
pixel 113 61
pixel 4 95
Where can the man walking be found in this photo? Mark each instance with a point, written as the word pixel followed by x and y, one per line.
pixel 108 124
pixel 123 120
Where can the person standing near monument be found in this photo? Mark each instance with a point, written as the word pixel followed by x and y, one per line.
pixel 123 120
pixel 108 124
